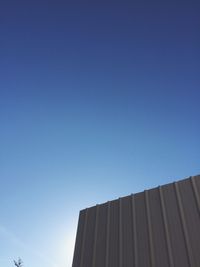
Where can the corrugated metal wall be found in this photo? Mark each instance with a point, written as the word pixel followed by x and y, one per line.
pixel 159 227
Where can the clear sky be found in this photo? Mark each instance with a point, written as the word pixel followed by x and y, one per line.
pixel 97 100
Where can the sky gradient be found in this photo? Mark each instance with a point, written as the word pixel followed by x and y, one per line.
pixel 97 100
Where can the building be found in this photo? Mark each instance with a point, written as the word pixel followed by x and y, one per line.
pixel 159 227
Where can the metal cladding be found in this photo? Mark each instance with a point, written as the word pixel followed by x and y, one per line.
pixel 159 227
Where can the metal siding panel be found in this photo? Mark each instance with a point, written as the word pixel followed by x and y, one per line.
pixel 197 180
pixel 142 231
pixel 127 232
pixel 95 236
pixel 120 234
pixel 114 234
pixel 196 189
pixel 79 239
pixel 89 238
pixel 101 236
pixel 158 231
pixel 191 218
pixel 135 238
pixel 175 227
pixel 184 226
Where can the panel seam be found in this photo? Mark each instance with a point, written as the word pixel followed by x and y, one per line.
pixel 95 236
pixel 120 234
pixel 84 238
pixel 196 194
pixel 149 224
pixel 167 235
pixel 107 234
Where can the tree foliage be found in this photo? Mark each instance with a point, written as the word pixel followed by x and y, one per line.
pixel 18 263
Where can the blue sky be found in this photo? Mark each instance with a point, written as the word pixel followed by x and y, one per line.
pixel 97 100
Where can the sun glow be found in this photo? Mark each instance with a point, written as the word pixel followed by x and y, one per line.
pixel 67 245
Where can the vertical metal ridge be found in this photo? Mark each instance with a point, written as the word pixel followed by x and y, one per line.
pixel 146 194
pixel 95 236
pixel 120 234
pixel 196 194
pixel 107 235
pixel 84 238
pixel 183 222
pixel 134 231
pixel 167 235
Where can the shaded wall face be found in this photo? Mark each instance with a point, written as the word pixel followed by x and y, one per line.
pixel 156 228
